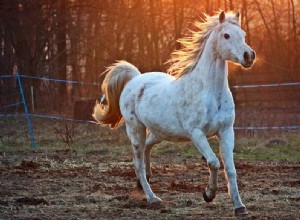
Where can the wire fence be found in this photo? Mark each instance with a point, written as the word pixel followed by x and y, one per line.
pixel 29 115
pixel 267 85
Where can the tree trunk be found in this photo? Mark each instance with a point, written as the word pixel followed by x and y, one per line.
pixel 154 35
pixel 245 21
pixel 178 20
pixel 61 52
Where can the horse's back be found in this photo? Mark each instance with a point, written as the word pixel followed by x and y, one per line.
pixel 146 81
pixel 150 79
pixel 143 87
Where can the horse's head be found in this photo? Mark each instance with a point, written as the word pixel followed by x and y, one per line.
pixel 231 43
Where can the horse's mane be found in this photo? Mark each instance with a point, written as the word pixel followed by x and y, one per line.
pixel 183 61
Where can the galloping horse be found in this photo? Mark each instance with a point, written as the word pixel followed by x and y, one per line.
pixel 192 102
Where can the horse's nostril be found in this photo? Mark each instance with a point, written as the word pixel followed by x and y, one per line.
pixel 253 55
pixel 246 56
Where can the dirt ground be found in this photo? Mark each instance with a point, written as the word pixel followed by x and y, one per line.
pixel 98 184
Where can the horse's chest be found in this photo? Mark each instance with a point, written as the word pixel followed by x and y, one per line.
pixel 218 117
pixel 212 124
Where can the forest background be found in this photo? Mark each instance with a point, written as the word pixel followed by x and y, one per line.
pixel 76 40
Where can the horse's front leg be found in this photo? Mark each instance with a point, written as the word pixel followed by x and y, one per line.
pixel 226 138
pixel 200 140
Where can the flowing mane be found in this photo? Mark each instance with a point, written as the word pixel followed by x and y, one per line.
pixel 184 60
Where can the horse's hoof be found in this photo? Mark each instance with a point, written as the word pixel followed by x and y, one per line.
pixel 206 198
pixel 155 201
pixel 241 211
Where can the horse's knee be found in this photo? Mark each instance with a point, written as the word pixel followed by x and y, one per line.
pixel 231 173
pixel 138 151
pixel 138 158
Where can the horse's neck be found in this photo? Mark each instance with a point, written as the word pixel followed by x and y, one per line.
pixel 209 74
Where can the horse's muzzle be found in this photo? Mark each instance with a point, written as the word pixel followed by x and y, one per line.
pixel 248 59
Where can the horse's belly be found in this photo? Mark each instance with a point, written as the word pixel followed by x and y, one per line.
pixel 163 123
pixel 168 134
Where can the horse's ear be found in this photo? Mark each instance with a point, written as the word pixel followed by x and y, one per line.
pixel 222 17
pixel 238 15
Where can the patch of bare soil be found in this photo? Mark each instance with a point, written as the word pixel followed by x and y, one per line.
pixel 65 185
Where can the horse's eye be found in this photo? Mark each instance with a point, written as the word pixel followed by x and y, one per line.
pixel 226 36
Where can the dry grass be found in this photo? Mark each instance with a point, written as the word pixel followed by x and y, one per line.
pixel 93 177
pixel 90 137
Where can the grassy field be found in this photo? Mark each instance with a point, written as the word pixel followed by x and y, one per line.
pixel 54 135
pixel 83 171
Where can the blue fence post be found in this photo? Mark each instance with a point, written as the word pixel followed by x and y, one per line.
pixel 29 125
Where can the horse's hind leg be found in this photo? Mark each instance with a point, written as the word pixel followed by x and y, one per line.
pixel 151 140
pixel 137 135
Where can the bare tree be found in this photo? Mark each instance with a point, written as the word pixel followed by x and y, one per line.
pixel 73 39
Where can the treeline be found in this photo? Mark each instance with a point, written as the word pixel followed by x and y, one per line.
pixel 74 39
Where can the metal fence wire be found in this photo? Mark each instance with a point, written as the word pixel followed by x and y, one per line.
pixel 25 111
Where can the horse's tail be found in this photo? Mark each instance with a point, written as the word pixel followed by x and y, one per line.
pixel 107 112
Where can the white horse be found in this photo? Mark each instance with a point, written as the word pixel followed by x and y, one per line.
pixel 193 104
